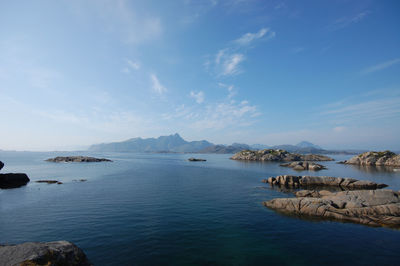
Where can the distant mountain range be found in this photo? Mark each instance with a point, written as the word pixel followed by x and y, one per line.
pixel 175 143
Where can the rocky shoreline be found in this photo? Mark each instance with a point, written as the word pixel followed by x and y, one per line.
pixel 277 156
pixel 49 253
pixel 76 159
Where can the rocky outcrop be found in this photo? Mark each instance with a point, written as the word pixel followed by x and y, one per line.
pixel 50 253
pixel 301 166
pixel 369 207
pixel 77 159
pixel 196 160
pixel 373 158
pixel 277 155
pixel 13 180
pixel 322 181
pixel 1 165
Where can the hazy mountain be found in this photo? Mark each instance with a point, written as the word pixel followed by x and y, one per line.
pixel 171 143
pixel 223 149
pixel 306 144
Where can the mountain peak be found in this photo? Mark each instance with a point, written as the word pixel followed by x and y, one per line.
pixel 307 144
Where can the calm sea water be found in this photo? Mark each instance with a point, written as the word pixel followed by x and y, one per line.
pixel 159 209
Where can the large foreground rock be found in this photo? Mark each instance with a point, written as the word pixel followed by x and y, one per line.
pixel 51 253
pixel 277 156
pixel 322 181
pixel 373 158
pixel 1 165
pixel 13 180
pixel 369 207
pixel 77 159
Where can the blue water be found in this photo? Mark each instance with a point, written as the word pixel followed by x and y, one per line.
pixel 159 209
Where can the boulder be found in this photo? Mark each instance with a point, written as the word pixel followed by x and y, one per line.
pixel 50 253
pixel 196 160
pixel 369 207
pixel 1 165
pixel 322 181
pixel 300 166
pixel 13 180
pixel 277 156
pixel 77 159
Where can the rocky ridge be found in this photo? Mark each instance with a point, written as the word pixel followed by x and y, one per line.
pixel 373 158
pixel 369 207
pixel 277 155
pixel 322 181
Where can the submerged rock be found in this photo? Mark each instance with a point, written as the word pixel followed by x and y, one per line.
pixel 50 253
pixel 277 155
pixel 322 181
pixel 373 158
pixel 13 180
pixel 77 159
pixel 49 181
pixel 196 160
pixel 300 166
pixel 369 207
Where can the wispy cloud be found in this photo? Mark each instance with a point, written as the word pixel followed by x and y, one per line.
pixel 198 96
pixel 344 22
pixel 156 85
pixel 227 60
pixel 249 37
pixel 131 65
pixel 381 66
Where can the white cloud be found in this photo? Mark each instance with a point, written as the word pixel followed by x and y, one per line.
pixel 381 66
pixel 156 85
pixel 199 96
pixel 133 64
pixel 231 63
pixel 339 129
pixel 249 37
pixel 347 21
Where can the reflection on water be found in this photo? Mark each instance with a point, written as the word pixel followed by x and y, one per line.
pixel 375 169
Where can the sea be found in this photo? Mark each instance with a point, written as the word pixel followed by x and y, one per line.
pixel 161 209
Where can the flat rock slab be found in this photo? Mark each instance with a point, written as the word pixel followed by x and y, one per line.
pixel 35 253
pixel 13 180
pixel 196 160
pixel 323 181
pixel 369 207
pixel 76 159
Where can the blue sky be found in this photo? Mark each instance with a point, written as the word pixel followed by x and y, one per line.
pixel 74 73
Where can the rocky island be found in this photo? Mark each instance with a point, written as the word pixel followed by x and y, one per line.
pixel 12 180
pixel 77 159
pixel 196 160
pixel 374 158
pixel 277 156
pixel 369 207
pixel 50 253
pixel 293 181
pixel 300 166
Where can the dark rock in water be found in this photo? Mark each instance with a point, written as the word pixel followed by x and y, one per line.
pixel 80 180
pixel 322 181
pixel 13 180
pixel 49 181
pixel 196 160
pixel 50 253
pixel 277 156
pixel 381 158
pixel 369 207
pixel 1 165
pixel 77 159
pixel 300 166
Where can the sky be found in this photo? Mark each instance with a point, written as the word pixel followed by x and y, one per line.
pixel 78 72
